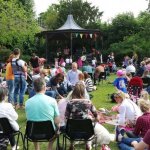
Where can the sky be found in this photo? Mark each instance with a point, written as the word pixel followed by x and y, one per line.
pixel 110 7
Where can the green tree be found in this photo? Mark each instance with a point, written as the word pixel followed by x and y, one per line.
pixel 121 26
pixel 17 28
pixel 138 42
pixel 86 16
pixel 49 18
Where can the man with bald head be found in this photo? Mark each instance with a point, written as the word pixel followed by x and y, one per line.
pixel 72 75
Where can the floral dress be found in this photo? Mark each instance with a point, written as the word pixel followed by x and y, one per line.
pixel 80 109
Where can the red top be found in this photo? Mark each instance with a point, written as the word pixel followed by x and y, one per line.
pixel 142 125
pixel 147 138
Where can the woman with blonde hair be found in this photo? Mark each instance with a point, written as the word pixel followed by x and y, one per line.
pixel 143 122
pixel 144 95
pixel 141 127
pixel 128 110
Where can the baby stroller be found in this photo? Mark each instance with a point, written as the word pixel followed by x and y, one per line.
pixel 29 83
pixel 134 88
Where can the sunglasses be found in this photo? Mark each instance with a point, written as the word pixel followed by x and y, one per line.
pixel 117 95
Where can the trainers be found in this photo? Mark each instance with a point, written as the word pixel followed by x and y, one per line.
pixel 21 107
pixel 120 137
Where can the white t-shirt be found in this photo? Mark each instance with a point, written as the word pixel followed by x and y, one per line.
pixel 67 60
pixel 128 110
pixel 130 69
pixel 20 62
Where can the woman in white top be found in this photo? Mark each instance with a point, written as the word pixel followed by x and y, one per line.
pixel 128 110
pixel 7 111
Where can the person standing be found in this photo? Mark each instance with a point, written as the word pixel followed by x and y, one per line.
pixel 130 68
pixel 10 79
pixel 19 68
pixel 42 108
pixel 34 62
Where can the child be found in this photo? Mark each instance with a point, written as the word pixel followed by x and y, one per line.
pixel 121 81
pixel 81 78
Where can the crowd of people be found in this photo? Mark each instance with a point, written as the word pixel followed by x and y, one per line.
pixel 58 94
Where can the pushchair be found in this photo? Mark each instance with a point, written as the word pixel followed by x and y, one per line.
pixel 134 88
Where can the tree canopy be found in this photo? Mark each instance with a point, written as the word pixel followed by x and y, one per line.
pixel 84 13
pixel 17 26
pixel 122 36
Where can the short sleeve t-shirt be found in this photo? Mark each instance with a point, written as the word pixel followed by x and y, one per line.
pixel 41 108
pixel 120 83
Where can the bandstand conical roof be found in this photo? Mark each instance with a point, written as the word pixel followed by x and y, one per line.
pixel 70 24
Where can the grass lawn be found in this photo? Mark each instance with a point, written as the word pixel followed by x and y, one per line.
pixel 100 99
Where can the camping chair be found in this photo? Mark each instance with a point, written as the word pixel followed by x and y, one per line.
pixel 38 131
pixel 79 130
pixel 7 131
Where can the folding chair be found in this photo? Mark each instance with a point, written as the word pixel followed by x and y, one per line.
pixel 7 131
pixel 41 131
pixel 79 130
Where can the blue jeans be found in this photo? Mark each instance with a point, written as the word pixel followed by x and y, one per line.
pixel 48 93
pixel 20 89
pixel 125 144
pixel 10 84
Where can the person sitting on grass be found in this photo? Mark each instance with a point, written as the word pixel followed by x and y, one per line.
pixel 144 144
pixel 143 122
pixel 128 110
pixel 89 83
pixel 7 111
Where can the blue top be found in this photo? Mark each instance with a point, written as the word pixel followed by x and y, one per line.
pixel 88 69
pixel 73 76
pixel 120 83
pixel 41 108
